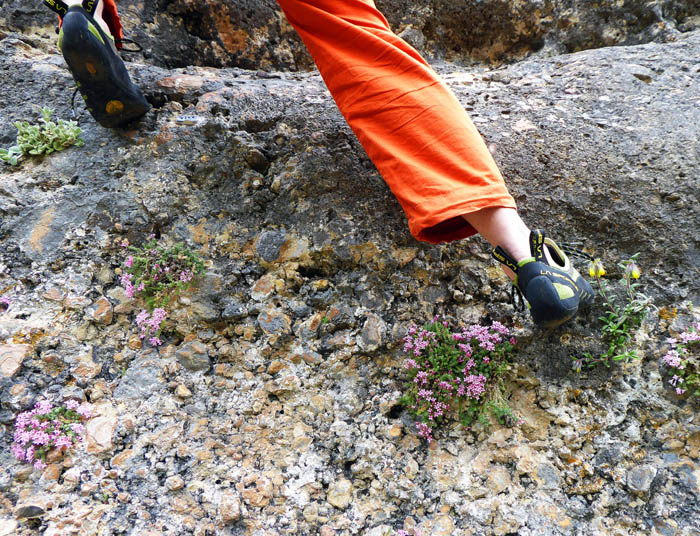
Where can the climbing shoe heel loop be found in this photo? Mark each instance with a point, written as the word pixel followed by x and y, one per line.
pixel 90 6
pixel 57 6
pixel 537 245
pixel 501 256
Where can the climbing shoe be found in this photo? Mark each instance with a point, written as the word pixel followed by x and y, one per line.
pixel 551 286
pixel 91 54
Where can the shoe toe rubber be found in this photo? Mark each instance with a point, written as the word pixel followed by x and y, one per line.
pixel 548 309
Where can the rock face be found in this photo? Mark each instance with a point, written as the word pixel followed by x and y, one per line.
pixel 496 30
pixel 271 407
pixel 254 34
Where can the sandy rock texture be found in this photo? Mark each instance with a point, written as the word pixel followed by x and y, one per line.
pixel 272 407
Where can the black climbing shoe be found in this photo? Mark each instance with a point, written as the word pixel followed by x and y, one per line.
pixel 98 71
pixel 554 291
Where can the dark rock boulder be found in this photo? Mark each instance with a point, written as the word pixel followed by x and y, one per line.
pixel 255 35
pixel 498 30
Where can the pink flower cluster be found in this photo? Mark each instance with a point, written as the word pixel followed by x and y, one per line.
pixel 129 289
pixel 473 386
pixel 43 428
pixel 673 359
pixel 406 533
pixel 412 532
pixel 186 276
pixel 424 431
pixel 417 340
pixel 150 324
pixel 678 357
pixel 487 337
pixel 450 370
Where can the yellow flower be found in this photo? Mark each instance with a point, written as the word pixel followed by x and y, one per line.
pixel 633 270
pixel 596 269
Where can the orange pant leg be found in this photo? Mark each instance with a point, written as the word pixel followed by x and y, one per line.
pixel 409 122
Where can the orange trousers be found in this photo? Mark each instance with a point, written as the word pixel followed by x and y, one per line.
pixel 409 122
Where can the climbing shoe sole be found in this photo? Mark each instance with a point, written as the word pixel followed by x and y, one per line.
pixel 102 79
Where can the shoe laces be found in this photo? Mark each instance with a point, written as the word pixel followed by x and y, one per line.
pixel 572 249
pixel 125 40
pixel 517 300
pixel 72 104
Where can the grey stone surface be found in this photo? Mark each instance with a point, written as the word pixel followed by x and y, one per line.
pixel 193 356
pixel 639 479
pixel 139 382
pixel 233 310
pixel 295 390
pixel 269 245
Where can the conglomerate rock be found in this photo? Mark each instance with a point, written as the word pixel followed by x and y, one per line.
pixel 272 406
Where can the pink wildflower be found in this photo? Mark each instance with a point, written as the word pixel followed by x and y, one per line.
pixel 425 394
pixel 421 378
pixel 38 464
pixel 690 336
pixel 437 410
pixel 487 345
pixel 40 438
pixel 43 406
pixel 425 431
pixel 445 386
pixel 476 385
pixel 18 451
pixel 142 317
pixel 157 318
pixel 129 261
pixel 63 442
pixel 84 410
pixel 466 348
pixel 128 285
pixel 77 428
pixel 675 380
pixel 500 328
pixel 672 359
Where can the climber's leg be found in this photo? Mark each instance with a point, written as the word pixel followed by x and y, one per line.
pixel 427 149
pixel 411 125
